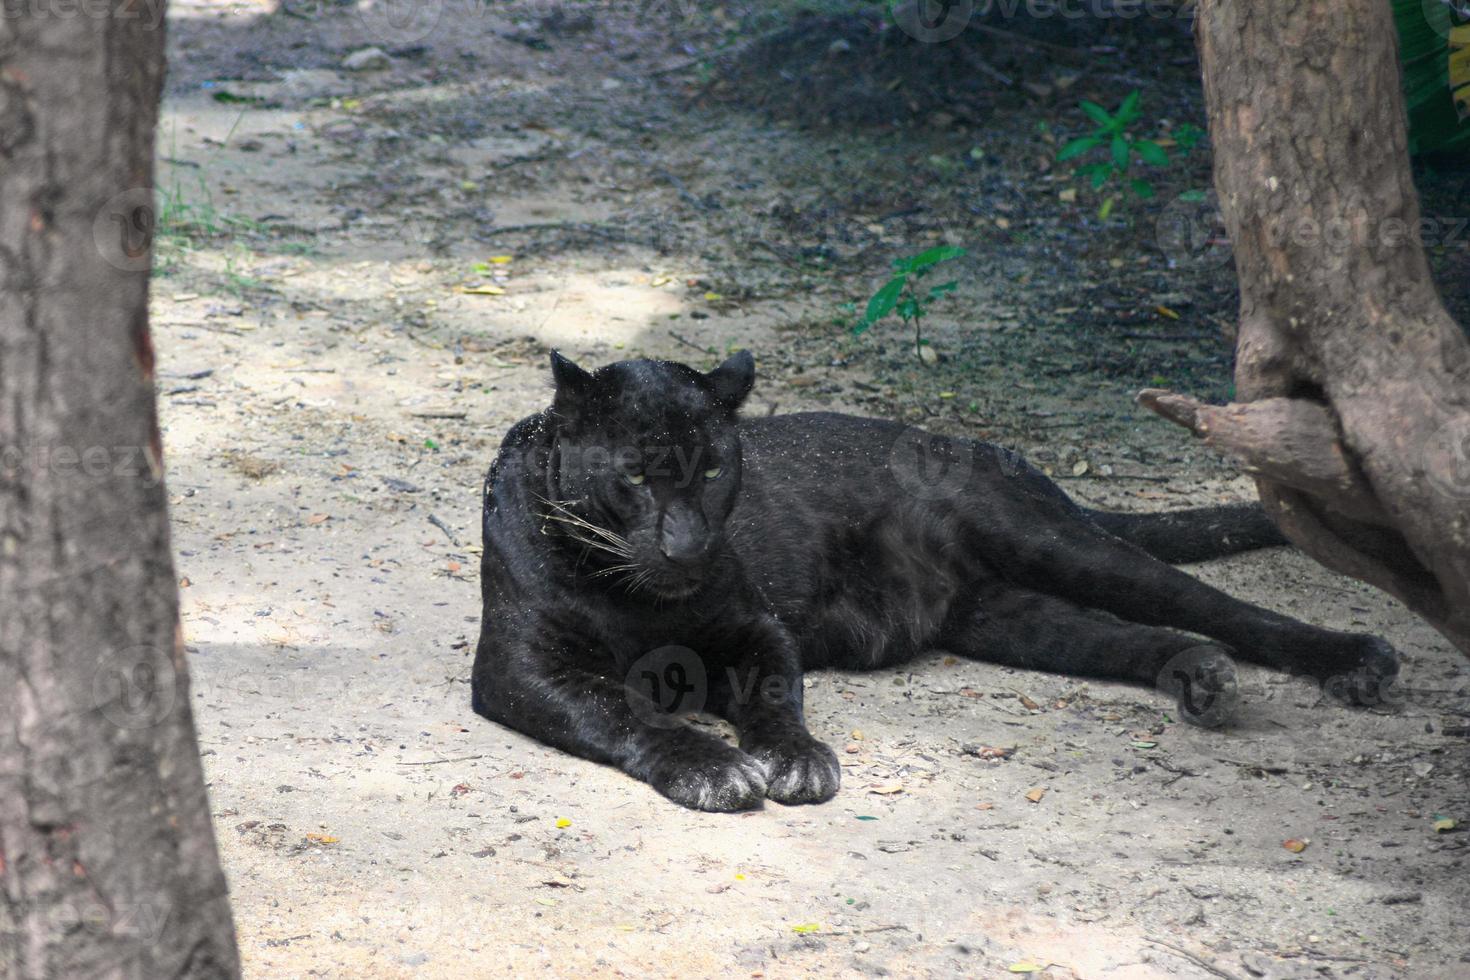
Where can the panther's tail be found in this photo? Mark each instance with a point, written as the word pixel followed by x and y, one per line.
pixel 1193 535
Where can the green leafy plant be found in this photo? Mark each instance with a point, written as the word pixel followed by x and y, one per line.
pixel 901 294
pixel 1114 138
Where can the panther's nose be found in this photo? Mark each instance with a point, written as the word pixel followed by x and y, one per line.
pixel 684 538
pixel 684 549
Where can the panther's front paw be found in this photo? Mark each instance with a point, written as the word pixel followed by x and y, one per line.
pixel 1367 676
pixel 798 769
pixel 722 779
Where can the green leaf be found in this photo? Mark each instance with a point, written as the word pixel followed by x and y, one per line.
pixel 860 328
pixel 884 300
pixel 1120 153
pixel 1078 147
pixel 934 256
pixel 1142 188
pixel 1107 207
pixel 945 287
pixel 1128 111
pixel 1193 197
pixel 1100 175
pixel 1096 113
pixel 908 308
pixel 430 444
pixel 1188 136
pixel 1152 152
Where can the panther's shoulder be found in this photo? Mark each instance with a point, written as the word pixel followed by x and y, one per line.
pixel 529 431
pixel 518 454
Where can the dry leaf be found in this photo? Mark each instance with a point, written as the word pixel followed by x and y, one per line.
pixel 322 838
pixel 318 519
pixel 886 789
pixel 994 752
pixel 1295 846
pixel 1036 794
pixel 482 290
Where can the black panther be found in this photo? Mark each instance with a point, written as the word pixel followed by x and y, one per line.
pixel 648 553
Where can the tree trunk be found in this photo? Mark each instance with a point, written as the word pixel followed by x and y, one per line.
pixel 107 856
pixel 1355 380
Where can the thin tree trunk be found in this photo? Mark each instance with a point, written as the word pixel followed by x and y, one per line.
pixel 1355 380
pixel 107 857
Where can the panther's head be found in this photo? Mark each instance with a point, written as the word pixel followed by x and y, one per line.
pixel 646 465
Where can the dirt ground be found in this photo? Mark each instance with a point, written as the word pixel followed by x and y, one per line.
pixel 359 275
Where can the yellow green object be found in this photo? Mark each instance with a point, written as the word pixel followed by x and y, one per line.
pixel 1434 51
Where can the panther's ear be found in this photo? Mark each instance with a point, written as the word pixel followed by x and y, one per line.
pixel 572 386
pixel 733 380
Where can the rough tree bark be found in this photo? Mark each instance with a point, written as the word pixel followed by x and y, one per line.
pixel 1354 380
pixel 107 855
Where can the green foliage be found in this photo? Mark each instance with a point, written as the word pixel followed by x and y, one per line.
pixel 1425 53
pixel 901 294
pixel 1113 137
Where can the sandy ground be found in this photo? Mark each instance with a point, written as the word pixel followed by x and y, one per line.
pixel 331 395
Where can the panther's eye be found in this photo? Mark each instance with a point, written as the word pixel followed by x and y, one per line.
pixel 713 472
pixel 636 479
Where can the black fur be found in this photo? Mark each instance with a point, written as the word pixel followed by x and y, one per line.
pixel 648 554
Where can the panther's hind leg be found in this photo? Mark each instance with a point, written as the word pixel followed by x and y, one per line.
pixel 1040 542
pixel 1023 628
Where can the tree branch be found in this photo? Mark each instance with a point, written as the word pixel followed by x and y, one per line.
pixel 1285 440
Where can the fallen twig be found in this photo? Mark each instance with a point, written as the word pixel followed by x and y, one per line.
pixel 1203 964
pixel 1031 41
pixel 859 932
pixel 445 528
pixel 1263 767
pixel 985 67
pixel 689 343
pixel 581 226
